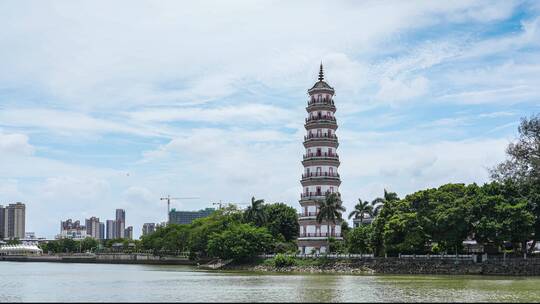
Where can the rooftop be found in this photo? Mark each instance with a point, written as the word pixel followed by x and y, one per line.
pixel 321 84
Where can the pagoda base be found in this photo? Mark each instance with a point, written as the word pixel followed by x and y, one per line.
pixel 314 245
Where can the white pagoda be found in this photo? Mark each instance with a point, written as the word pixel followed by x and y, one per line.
pixel 321 164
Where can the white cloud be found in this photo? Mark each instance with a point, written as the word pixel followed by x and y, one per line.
pixel 68 123
pixel 397 90
pixel 15 144
pixel 237 114
pixel 170 53
pixel 404 167
pixel 9 190
pixel 75 189
pixel 166 72
pixel 136 194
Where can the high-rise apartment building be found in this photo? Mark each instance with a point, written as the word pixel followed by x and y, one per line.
pixel 120 223
pixel 93 227
pixel 148 228
pixel 13 221
pixel 128 233
pixel 2 222
pixel 101 231
pixel 111 229
pixel 72 230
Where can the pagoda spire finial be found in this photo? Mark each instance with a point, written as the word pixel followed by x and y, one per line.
pixel 321 73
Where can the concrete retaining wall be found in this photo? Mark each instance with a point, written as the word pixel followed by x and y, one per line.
pixel 512 267
pixel 104 259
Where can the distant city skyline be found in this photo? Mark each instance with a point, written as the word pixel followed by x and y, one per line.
pixel 116 108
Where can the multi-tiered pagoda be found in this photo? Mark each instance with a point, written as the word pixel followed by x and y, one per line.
pixel 320 162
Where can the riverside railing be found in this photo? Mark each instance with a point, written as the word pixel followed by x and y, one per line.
pixel 321 255
pixel 371 256
pixel 437 256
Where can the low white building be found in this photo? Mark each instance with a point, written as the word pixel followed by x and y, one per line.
pixel 25 250
pixel 364 221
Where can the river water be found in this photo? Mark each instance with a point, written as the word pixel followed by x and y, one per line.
pixel 103 282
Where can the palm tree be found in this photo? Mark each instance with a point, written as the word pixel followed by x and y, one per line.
pixel 330 212
pixel 256 213
pixel 379 202
pixel 361 209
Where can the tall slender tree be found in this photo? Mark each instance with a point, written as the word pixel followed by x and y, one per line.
pixel 522 168
pixel 379 202
pixel 256 213
pixel 330 212
pixel 361 209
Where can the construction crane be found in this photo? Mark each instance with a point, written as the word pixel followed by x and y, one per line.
pixel 169 199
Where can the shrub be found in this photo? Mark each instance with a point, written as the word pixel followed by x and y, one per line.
pixel 282 260
pixel 435 249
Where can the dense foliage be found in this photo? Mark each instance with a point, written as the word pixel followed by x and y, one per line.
pixel 490 214
pixel 282 221
pixel 231 233
pixel 239 242
pixel 70 246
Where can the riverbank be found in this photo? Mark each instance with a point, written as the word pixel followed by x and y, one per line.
pixel 103 259
pixel 508 267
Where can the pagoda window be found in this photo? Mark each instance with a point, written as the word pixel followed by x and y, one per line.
pixel 319 132
pixel 319 152
pixel 319 170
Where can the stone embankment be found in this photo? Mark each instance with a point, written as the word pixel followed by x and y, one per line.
pixel 512 267
pixel 103 259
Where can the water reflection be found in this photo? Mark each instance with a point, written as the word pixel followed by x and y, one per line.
pixel 318 288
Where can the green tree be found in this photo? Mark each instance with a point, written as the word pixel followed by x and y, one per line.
pixel 202 228
pixel 256 213
pixel 383 208
pixel 239 242
pixel 517 224
pixel 379 202
pixel 282 220
pixel 345 228
pixel 359 239
pixel 404 234
pixel 522 168
pixel 170 238
pixel 523 163
pixel 330 211
pixel 361 209
pixel 88 244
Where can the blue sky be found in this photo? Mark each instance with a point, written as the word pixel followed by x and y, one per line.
pixel 113 105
